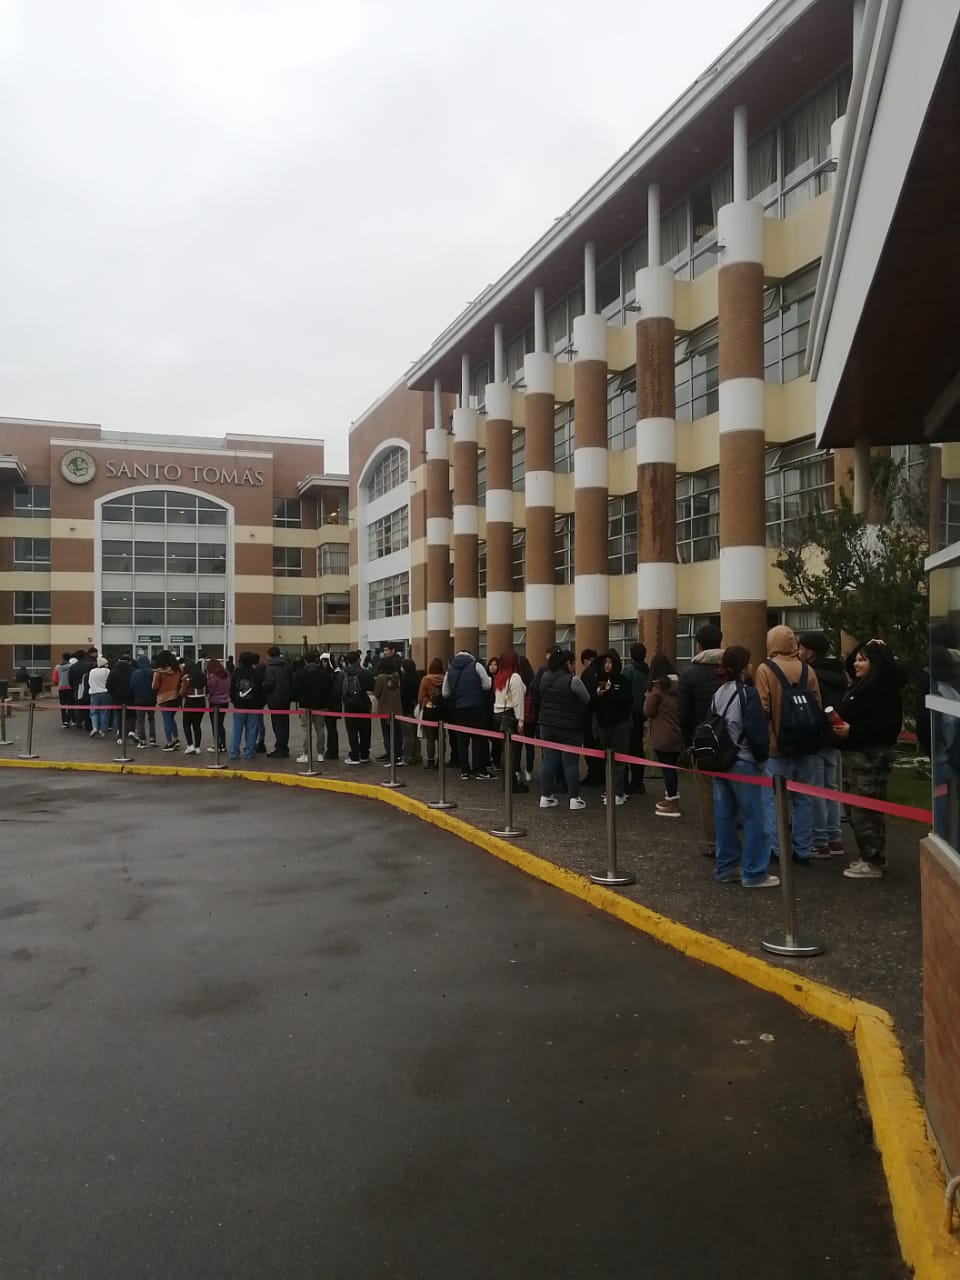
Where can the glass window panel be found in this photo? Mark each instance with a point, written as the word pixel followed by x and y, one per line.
pixel 622 534
pixel 211 558
pixel 388 534
pixel 31 500
pixel 118 510
pixel 287 562
pixel 563 433
pixel 116 556
pixel 519 558
pixel 117 609
pixel 482 568
pixel 31 606
pixel 148 557
pixel 181 557
pixel 698 516
pixel 333 607
pixel 35 657
pixel 211 609
pixel 390 471
pixel 333 559
pixel 31 552
pixel 211 514
pixel 181 610
pixel 390 597
pixel 149 607
pixel 286 513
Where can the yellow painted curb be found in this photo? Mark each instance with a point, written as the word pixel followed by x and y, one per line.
pixel 909 1163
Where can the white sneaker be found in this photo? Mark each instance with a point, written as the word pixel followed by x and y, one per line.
pixel 860 869
pixel 188 751
pixel 577 802
pixel 212 750
pixel 527 775
pixel 618 800
pixel 548 802
pixel 771 882
pixel 303 759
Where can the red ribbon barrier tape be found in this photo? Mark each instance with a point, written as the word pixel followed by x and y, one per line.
pixel 863 802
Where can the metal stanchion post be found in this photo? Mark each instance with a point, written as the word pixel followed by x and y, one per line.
pixel 29 754
pixel 508 829
pixel 443 802
pixel 789 943
pixel 219 726
pixel 4 740
pixel 612 876
pixel 394 781
pixel 311 771
pixel 123 758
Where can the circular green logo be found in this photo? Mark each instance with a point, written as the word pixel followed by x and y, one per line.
pixel 77 466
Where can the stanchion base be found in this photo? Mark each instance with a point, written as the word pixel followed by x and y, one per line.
pixel 7 742
pixel 783 946
pixel 393 786
pixel 508 833
pixel 308 773
pixel 22 755
pixel 123 759
pixel 442 804
pixel 214 766
pixel 618 879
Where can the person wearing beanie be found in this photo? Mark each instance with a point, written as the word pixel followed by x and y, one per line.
pixel 783 667
pixel 812 647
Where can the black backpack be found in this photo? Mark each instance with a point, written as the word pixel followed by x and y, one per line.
pixel 354 696
pixel 802 722
pixel 245 686
pixel 712 748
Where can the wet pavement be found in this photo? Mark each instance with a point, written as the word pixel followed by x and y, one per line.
pixel 253 1032
pixel 871 929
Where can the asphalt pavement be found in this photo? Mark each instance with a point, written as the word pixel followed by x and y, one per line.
pixel 253 1032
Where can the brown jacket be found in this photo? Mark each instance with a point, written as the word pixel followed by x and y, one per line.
pixel 661 708
pixel 771 691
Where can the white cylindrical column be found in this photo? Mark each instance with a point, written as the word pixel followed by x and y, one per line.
pixel 464 382
pixel 653 224
pixel 466 588
pixel 498 373
pixel 589 279
pixel 741 168
pixel 438 532
pixel 539 498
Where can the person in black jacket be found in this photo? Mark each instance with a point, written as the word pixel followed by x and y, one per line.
pixel 120 690
pixel 637 674
pixel 310 695
pixel 614 711
pixel 80 694
pixel 562 702
pixel 831 676
pixel 698 683
pixel 409 688
pixel 144 698
pixel 871 717
pixel 247 696
pixel 278 688
pixel 356 689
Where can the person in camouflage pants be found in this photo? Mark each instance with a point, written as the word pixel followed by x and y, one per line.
pixel 866 773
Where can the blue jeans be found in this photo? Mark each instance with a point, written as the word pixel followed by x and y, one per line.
pixel 99 719
pixel 169 719
pixel 551 761
pixel 244 722
pixel 741 800
pixel 797 769
pixel 826 813
pixel 398 729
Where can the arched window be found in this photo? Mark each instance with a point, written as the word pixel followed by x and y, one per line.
pixel 391 469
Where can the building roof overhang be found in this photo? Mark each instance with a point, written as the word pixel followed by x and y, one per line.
pixel 10 464
pixel 793 46
pixel 318 483
pixel 883 335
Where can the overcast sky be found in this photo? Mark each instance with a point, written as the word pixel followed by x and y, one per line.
pixel 253 215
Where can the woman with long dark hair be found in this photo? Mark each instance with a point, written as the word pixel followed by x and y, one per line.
pixel 509 695
pixel 737 802
pixel 661 710
pixel 871 715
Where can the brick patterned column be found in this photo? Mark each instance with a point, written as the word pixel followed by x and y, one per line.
pixel 590 592
pixel 539 498
pixel 466 590
pixel 439 642
pixel 499 510
pixel 743 552
pixel 656 463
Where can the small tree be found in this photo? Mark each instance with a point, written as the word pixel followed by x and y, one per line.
pixel 867 578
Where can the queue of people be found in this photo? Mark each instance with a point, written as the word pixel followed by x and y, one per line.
pixel 797 713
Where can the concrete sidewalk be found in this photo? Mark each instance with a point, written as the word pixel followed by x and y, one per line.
pixel 260 1033
pixel 871 929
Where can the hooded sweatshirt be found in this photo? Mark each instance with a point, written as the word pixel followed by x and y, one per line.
pixel 615 704
pixel 141 683
pixel 697 685
pixel 782 649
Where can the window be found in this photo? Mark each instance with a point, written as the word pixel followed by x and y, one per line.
pixel 609 291
pixel 148 557
pixel 211 558
pixel 698 516
pixel 211 609
pixel 478 386
pixel 786 322
pixel 559 321
pixel 390 597
pixel 675 241
pixel 390 533
pixel 481 474
pixel 181 508
pixel 117 609
pixel 622 410
pixel 520 640
pixel 688 624
pixel 332 509
pixel 118 510
pixel 563 443
pixel 35 657
pixel 949 512
pixel 286 513
pixel 30 553
pixel 116 556
pixel 181 610
pixel 32 500
pixel 287 562
pixel 634 260
pixel 333 608
pixel 563 563
pixel 31 606
pixel 705 205
pixel 762 172
pixel 210 512
pixel 150 507
pixel 519 558
pixel 149 608
pixel 517 461
pixel 806 144
pixel 389 472
pixel 333 559
pixel 481 568
pixel 799 481
pixel 622 635
pixel 697 374
pixel 181 557
pixel 287 609
pixel 514 353
pixel 622 534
